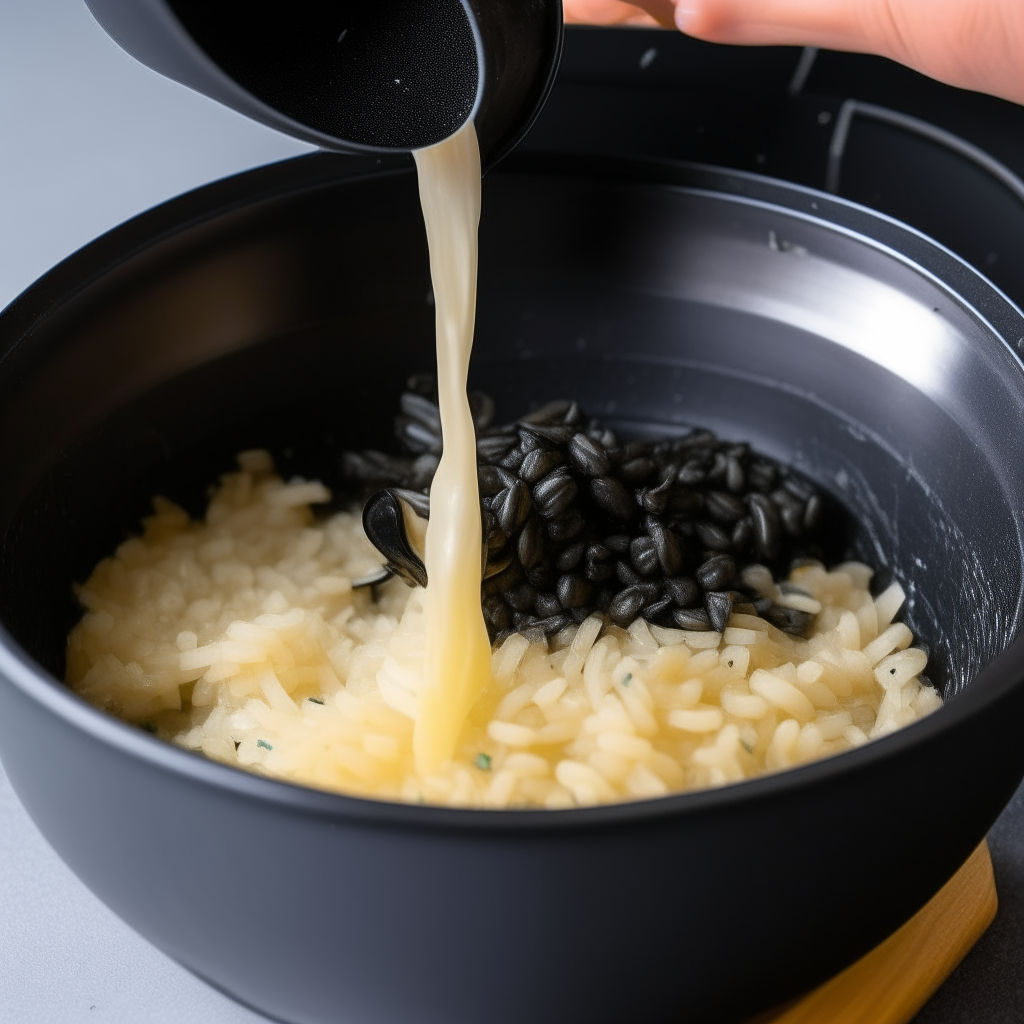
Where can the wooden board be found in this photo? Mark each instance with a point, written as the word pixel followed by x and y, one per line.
pixel 892 982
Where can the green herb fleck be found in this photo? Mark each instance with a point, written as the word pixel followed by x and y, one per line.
pixel 483 762
pixel 316 700
pixel 150 727
pixel 419 798
pixel 746 746
pixel 264 744
pixel 627 679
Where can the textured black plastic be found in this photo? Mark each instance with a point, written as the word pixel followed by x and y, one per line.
pixel 284 308
pixel 399 75
pixel 354 76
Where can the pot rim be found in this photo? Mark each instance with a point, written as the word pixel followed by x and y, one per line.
pixel 75 273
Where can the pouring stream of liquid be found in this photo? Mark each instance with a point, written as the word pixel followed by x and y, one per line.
pixel 457 661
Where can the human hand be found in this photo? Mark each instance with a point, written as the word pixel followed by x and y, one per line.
pixel 974 44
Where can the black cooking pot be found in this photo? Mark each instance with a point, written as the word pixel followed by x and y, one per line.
pixel 284 308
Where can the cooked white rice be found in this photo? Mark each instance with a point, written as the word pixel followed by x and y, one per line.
pixel 241 637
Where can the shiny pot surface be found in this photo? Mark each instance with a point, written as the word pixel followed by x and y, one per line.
pixel 284 308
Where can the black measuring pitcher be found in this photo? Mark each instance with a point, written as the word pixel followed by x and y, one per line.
pixel 358 77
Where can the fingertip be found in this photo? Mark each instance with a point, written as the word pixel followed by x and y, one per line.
pixel 686 16
pixel 697 18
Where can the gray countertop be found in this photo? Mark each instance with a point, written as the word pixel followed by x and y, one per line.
pixel 88 138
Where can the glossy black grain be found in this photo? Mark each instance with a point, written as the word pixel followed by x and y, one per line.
pixel 554 493
pixel 384 525
pixel 718 605
pixel 691 618
pixel 717 572
pixel 589 455
pixel 538 464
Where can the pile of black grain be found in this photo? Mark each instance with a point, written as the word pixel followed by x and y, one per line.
pixel 576 521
